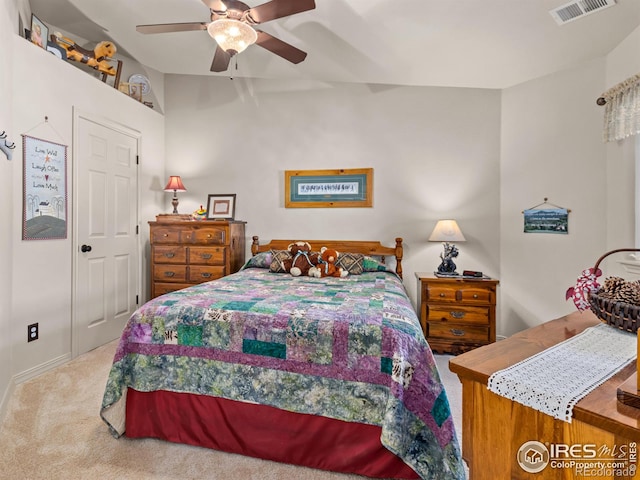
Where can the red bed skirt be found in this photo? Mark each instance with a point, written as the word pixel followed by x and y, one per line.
pixel 263 432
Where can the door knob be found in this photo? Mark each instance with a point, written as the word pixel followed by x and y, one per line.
pixel 85 248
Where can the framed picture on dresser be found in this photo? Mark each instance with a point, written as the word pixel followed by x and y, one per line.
pixel 221 207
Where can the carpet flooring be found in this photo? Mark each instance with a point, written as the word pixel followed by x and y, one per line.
pixel 52 430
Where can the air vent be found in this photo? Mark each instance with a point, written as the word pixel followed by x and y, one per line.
pixel 578 9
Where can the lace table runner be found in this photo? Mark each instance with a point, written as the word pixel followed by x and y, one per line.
pixel 554 380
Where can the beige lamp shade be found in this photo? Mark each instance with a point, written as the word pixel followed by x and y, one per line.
pixel 446 231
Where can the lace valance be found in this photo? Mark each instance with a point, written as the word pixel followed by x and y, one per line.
pixel 622 109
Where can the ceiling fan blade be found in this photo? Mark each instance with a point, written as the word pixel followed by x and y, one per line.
pixel 279 8
pixel 217 5
pixel 220 60
pixel 171 27
pixel 277 46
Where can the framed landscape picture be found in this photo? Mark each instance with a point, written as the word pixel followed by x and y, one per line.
pixel 328 188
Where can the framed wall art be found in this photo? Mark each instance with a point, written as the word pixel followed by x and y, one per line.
pixel 546 218
pixel 221 207
pixel 328 188
pixel 44 205
pixel 39 32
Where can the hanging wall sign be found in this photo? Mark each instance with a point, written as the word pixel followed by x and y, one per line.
pixel 44 205
pixel 546 218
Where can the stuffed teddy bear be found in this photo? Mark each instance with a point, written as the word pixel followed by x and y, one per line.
pixel 302 259
pixel 326 265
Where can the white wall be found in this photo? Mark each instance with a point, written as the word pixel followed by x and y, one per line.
pixel 551 147
pixel 42 85
pixel 8 24
pixel 434 151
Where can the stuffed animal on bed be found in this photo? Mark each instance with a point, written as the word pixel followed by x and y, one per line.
pixel 327 265
pixel 302 259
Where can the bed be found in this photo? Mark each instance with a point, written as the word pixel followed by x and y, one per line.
pixel 329 373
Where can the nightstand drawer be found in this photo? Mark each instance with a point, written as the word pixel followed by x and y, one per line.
pixel 458 313
pixel 204 273
pixel 170 273
pixel 207 255
pixel 458 332
pixel 169 254
pixel 467 294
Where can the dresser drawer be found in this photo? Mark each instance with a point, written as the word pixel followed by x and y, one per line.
pixel 207 255
pixel 204 273
pixel 170 273
pixel 169 254
pixel 162 288
pixel 458 332
pixel 458 313
pixel 165 235
pixel 205 236
pixel 467 294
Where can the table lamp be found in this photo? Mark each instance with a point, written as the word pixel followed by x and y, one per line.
pixel 175 185
pixel 447 231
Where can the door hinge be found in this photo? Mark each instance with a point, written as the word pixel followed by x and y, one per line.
pixel 137 300
pixel 137 159
pixel 137 229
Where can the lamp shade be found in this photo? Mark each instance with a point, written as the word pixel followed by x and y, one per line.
pixel 175 184
pixel 446 231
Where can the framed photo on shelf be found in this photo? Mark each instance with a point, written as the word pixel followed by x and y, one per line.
pixel 328 188
pixel 221 207
pixel 39 32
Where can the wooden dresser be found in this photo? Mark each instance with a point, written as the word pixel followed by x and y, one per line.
pixel 495 428
pixel 188 252
pixel 457 314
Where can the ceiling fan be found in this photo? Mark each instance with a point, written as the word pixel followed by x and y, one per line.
pixel 232 27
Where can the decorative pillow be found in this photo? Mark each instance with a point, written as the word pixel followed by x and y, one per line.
pixel 351 262
pixel 277 259
pixel 259 260
pixel 370 264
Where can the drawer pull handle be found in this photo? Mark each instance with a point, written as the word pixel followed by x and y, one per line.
pixel 208 235
pixel 165 235
pixel 169 255
pixel 206 275
pixel 457 314
pixel 475 295
pixel 442 295
pixel 456 332
pixel 206 256
pixel 169 274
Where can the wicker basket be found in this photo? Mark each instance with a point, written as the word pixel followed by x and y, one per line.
pixel 624 316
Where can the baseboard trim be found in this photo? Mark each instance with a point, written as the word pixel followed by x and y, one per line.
pixel 8 393
pixel 42 368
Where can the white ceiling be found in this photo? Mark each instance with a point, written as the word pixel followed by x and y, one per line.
pixel 461 43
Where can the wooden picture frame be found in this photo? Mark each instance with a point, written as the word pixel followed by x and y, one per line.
pixel 221 207
pixel 328 188
pixel 39 32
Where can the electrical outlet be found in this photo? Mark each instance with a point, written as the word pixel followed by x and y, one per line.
pixel 32 332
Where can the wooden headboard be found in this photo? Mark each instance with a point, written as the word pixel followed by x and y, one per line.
pixel 372 248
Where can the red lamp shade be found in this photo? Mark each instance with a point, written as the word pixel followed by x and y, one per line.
pixel 175 184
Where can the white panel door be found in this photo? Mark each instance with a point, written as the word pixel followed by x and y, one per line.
pixel 107 244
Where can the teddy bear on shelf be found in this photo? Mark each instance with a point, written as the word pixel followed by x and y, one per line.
pixel 302 259
pixel 327 265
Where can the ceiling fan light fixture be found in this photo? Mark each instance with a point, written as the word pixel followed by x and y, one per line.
pixel 233 36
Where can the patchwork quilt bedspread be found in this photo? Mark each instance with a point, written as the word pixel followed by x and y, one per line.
pixel 346 348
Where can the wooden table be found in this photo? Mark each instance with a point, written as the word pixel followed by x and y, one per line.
pixel 494 427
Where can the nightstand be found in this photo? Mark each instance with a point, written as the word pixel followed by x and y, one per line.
pixel 457 314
